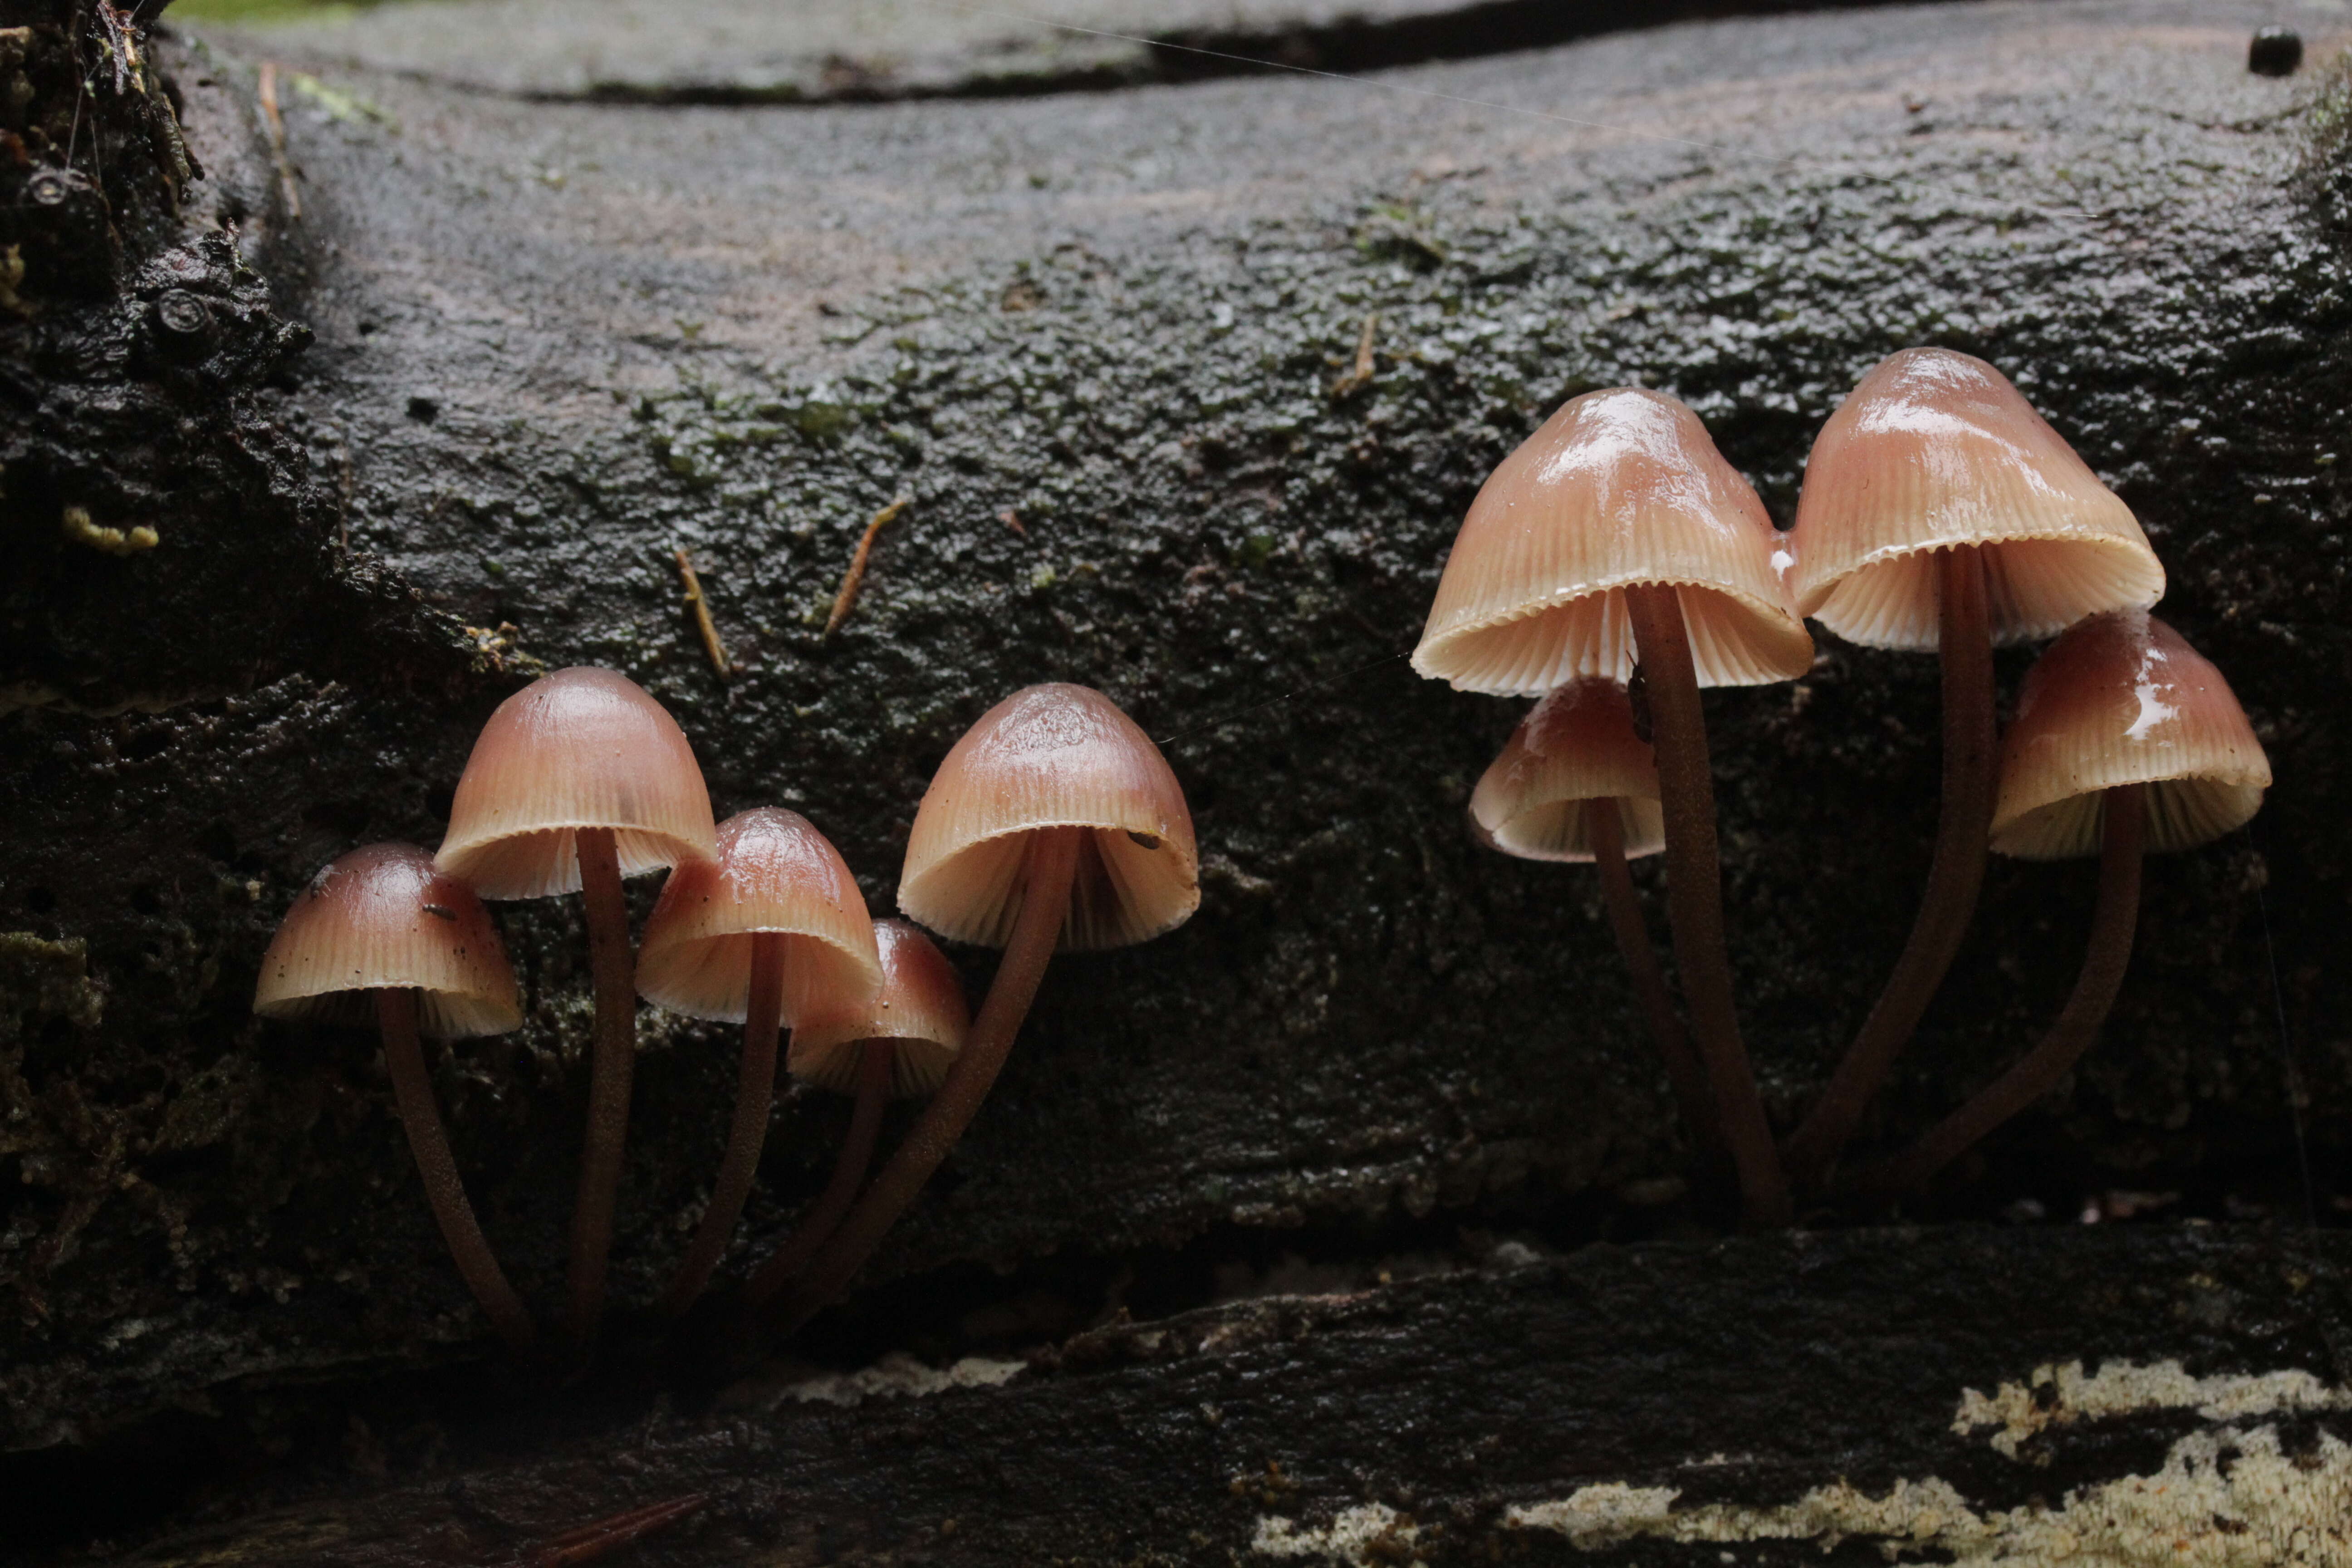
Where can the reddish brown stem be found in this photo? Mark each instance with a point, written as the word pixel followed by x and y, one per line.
pixel 1950 902
pixel 875 1061
pixel 1695 895
pixel 755 1098
pixel 2114 922
pixel 1052 865
pixel 611 1067
pixel 412 1090
pixel 1605 825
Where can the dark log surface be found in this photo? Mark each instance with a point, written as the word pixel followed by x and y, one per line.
pixel 557 340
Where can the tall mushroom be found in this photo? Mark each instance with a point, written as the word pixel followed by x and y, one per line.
pixel 1941 512
pixel 1054 822
pixel 1616 534
pixel 2127 739
pixel 577 781
pixel 773 931
pixel 1577 784
pixel 902 1041
pixel 380 934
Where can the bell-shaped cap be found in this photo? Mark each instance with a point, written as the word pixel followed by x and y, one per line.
pixel 1619 488
pixel 1575 753
pixel 920 1009
pixel 1935 449
pixel 2122 699
pixel 580 748
pixel 1053 756
pixel 383 918
pixel 775 873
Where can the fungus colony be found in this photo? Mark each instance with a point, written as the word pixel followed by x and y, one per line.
pixel 1611 566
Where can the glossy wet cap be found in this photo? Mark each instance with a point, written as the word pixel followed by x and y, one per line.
pixel 1935 449
pixel 580 748
pixel 775 873
pixel 2122 699
pixel 1575 753
pixel 1053 756
pixel 1619 488
pixel 920 1009
pixel 383 918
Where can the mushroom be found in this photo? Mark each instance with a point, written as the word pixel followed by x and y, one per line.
pixel 1054 822
pixel 901 1041
pixel 1616 534
pixel 579 780
pixel 2127 739
pixel 775 930
pixel 381 933
pixel 1940 512
pixel 1577 784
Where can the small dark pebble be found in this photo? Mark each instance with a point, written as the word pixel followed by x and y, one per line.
pixel 2276 51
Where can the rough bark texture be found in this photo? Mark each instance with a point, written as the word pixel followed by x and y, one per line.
pixel 555 342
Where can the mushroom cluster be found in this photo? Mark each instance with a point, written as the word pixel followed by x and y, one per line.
pixel 1611 566
pixel 1939 511
pixel 1055 823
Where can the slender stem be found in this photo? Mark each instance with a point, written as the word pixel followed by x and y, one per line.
pixel 611 1065
pixel 875 1061
pixel 1949 900
pixel 755 1097
pixel 1052 865
pixel 1695 895
pixel 1605 825
pixel 412 1089
pixel 2114 922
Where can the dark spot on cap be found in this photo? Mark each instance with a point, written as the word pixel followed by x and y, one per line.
pixel 1149 841
pixel 2276 51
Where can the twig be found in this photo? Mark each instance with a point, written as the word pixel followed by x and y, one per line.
pixel 1012 520
pixel 1360 375
pixel 702 623
pixel 843 601
pixel 590 1542
pixel 278 140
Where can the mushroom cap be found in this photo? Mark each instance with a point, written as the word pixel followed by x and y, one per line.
pixel 1053 756
pixel 1618 489
pixel 920 1008
pixel 578 748
pixel 775 873
pixel 1575 752
pixel 2122 699
pixel 1935 449
pixel 383 918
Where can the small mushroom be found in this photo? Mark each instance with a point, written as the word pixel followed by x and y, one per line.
pixel 1617 534
pixel 579 780
pixel 1054 822
pixel 1940 512
pixel 1577 784
pixel 2127 739
pixel 379 933
pixel 773 931
pixel 902 1042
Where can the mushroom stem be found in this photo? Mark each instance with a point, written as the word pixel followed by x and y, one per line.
pixel 1695 894
pixel 1604 827
pixel 875 1062
pixel 612 1063
pixel 412 1090
pixel 2114 921
pixel 755 1097
pixel 1949 900
pixel 1053 863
